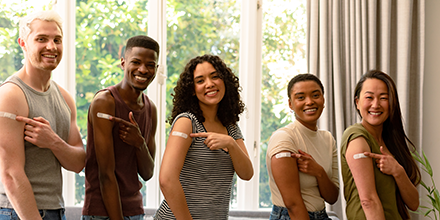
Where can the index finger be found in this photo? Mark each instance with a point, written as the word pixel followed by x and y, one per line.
pixel 202 134
pixel 25 119
pixel 119 120
pixel 373 155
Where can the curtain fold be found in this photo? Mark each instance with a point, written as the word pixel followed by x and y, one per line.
pixel 346 38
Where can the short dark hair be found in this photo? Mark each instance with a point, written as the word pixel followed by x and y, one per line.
pixel 142 41
pixel 301 78
pixel 230 107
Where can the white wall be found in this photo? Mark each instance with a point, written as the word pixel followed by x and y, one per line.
pixel 431 91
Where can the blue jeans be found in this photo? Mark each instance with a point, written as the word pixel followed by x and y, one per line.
pixel 281 213
pixel 46 214
pixel 93 217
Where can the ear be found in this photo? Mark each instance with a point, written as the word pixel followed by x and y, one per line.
pixel 357 103
pixel 122 63
pixel 290 104
pixel 22 43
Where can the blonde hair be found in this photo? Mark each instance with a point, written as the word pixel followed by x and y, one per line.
pixel 25 22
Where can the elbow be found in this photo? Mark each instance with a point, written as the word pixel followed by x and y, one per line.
pixel 414 205
pixel 247 176
pixel 148 174
pixel 370 204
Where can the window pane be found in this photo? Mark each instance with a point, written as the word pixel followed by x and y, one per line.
pixel 11 55
pixel 102 28
pixel 198 27
pixel 284 41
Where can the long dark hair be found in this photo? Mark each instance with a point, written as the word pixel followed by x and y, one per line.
pixel 184 100
pixel 393 134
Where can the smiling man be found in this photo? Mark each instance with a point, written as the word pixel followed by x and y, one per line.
pixel 122 146
pixel 44 136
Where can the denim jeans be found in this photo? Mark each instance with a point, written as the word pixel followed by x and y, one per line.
pixel 93 217
pixel 46 214
pixel 281 213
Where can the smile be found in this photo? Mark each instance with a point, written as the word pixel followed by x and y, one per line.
pixel 211 93
pixel 140 78
pixel 312 110
pixel 375 113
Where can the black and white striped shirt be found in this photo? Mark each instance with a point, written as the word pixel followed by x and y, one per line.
pixel 206 177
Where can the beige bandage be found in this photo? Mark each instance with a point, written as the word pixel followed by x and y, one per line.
pixel 359 156
pixel 7 115
pixel 283 154
pixel 103 115
pixel 178 133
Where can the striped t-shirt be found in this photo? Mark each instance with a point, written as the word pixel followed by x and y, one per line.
pixel 206 177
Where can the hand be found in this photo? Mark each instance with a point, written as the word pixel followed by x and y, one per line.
pixel 307 164
pixel 129 132
pixel 386 163
pixel 38 131
pixel 215 141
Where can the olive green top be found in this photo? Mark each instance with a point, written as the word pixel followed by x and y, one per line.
pixel 385 184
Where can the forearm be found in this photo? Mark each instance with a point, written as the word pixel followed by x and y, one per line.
pixel 19 192
pixel 71 157
pixel 175 197
pixel 145 162
pixel 242 163
pixel 328 190
pixel 298 211
pixel 373 208
pixel 408 191
pixel 110 196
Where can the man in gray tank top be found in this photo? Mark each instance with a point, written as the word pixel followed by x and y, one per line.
pixel 43 137
pixel 120 137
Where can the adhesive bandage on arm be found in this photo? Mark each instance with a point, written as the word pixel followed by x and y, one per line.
pixel 178 133
pixel 359 156
pixel 7 115
pixel 283 154
pixel 103 115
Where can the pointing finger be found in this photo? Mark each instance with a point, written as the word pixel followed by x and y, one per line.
pixel 202 134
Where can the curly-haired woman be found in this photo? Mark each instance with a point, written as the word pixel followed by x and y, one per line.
pixel 205 146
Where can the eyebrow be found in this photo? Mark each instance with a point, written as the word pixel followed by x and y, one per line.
pixel 200 76
pixel 301 93
pixel 383 93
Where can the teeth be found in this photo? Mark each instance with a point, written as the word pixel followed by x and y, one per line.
pixel 140 78
pixel 375 113
pixel 49 56
pixel 310 110
pixel 211 93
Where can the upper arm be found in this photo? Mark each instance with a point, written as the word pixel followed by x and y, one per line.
pixel 361 169
pixel 286 175
pixel 151 143
pixel 176 150
pixel 102 130
pixel 12 154
pixel 74 138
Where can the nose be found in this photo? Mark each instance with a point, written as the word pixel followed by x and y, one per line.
pixel 309 100
pixel 375 103
pixel 143 69
pixel 51 45
pixel 209 83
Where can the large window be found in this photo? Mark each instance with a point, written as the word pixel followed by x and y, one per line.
pixel 193 27
pixel 283 53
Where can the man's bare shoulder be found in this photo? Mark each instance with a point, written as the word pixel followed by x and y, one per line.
pixel 13 100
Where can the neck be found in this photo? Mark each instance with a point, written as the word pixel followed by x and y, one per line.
pixel 209 113
pixel 130 95
pixel 376 131
pixel 35 78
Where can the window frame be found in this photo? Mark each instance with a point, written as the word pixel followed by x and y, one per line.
pixel 250 62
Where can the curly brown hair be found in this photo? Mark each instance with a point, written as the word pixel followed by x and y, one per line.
pixel 184 100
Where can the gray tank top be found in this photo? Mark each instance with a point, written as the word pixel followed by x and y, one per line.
pixel 42 167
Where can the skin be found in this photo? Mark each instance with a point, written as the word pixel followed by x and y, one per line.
pixel 139 71
pixel 43 51
pixel 209 89
pixel 307 100
pixel 373 104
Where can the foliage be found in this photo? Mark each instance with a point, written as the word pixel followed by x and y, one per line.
pixel 194 27
pixel 433 194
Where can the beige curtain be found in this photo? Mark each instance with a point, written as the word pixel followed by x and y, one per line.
pixel 346 38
